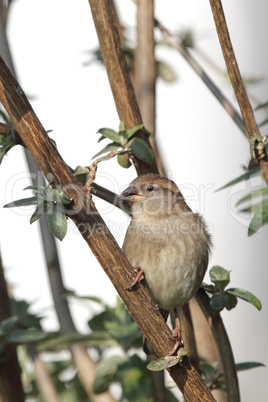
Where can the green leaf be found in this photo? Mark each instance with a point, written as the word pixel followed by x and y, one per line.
pixel 219 301
pixel 82 173
pixel 219 276
pixel 248 365
pixel 208 288
pixel 245 295
pixel 57 221
pixel 19 336
pixel 167 361
pixel 141 150
pixel 245 176
pixel 261 106
pixel 257 193
pixel 7 325
pixel 260 217
pixel 24 202
pixel 109 133
pixel 232 301
pixel 262 123
pixel 66 202
pixel 134 130
pixel 123 161
pixel 106 373
pixel 40 210
pixel 109 148
pixel 122 127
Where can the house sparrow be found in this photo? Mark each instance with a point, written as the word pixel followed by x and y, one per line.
pixel 167 243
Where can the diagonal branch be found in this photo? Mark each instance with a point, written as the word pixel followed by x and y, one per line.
pixel 253 132
pixel 95 232
pixel 118 73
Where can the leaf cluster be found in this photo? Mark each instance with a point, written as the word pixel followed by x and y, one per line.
pixel 6 143
pixel 11 333
pixel 49 201
pixel 125 139
pixel 226 298
pixel 257 200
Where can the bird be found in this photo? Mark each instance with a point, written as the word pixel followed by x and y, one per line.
pixel 167 244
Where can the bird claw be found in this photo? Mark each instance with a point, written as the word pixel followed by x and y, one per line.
pixel 138 278
pixel 176 337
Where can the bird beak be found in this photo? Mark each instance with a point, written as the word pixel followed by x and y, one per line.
pixel 131 194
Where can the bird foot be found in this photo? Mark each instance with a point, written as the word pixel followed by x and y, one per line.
pixel 176 337
pixel 138 278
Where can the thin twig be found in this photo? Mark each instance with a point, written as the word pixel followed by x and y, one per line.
pixel 227 105
pixel 253 132
pixel 224 347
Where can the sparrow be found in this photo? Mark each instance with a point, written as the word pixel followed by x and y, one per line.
pixel 167 243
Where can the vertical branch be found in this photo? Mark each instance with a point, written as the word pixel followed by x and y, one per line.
pixel 253 132
pixel 118 72
pixel 145 71
pixel 10 381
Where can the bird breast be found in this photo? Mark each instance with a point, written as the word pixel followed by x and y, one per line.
pixel 173 254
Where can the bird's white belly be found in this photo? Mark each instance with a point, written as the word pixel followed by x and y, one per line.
pixel 169 278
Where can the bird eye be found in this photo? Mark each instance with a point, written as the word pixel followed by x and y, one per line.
pixel 150 187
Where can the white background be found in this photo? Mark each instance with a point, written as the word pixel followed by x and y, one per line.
pixel 202 149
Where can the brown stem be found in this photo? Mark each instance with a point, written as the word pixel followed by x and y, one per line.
pixel 145 71
pixel 95 232
pixel 224 347
pixel 236 79
pixel 45 384
pixel 173 42
pixel 118 73
pixel 10 382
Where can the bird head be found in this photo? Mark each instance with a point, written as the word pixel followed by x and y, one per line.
pixel 153 195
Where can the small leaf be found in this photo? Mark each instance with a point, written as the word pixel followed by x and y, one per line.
pixel 245 176
pixel 66 202
pixel 208 288
pixel 219 276
pixel 40 210
pixel 109 133
pixel 134 130
pixel 124 161
pixel 24 202
pixel 7 325
pixel 261 106
pixel 19 336
pixel 260 217
pixel 109 148
pixel 248 365
pixel 142 150
pixel 82 173
pixel 168 361
pixel 232 301
pixel 257 193
pixel 57 221
pixel 122 127
pixel 219 301
pixel 245 295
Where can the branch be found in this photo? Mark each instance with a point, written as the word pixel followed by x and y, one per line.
pixel 95 232
pixel 118 73
pixel 10 381
pixel 226 104
pixel 237 82
pixel 224 347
